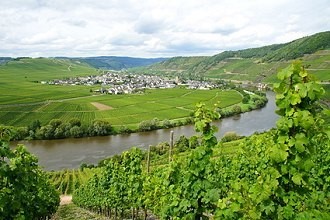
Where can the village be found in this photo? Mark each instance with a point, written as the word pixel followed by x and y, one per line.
pixel 127 83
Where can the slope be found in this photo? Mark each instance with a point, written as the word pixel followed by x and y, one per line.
pixel 21 77
pixel 254 64
pixel 117 63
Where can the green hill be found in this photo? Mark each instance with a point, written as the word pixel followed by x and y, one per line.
pixel 170 66
pixel 254 64
pixel 21 77
pixel 4 60
pixel 32 69
pixel 116 63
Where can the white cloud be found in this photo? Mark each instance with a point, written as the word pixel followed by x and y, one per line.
pixel 153 28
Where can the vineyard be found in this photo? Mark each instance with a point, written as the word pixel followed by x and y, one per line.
pixel 126 110
pixel 281 174
pixel 67 181
pixel 25 190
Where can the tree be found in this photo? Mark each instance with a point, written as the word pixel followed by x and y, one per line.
pixel 76 132
pixel 100 128
pixel 55 123
pixel 149 125
pixel 236 109
pixel 75 122
pixel 34 125
pixel 182 144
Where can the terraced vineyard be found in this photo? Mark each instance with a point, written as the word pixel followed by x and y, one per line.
pixel 126 110
pixel 66 181
pixel 24 99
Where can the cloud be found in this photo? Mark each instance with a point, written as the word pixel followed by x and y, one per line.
pixel 153 28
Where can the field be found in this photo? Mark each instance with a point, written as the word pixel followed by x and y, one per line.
pixel 20 80
pixel 24 99
pixel 66 181
pixel 128 110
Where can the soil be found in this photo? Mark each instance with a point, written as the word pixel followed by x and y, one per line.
pixel 101 106
pixel 65 199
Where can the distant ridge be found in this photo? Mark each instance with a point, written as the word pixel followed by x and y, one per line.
pixel 4 60
pixel 116 63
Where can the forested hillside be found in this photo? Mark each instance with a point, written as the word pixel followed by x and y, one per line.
pixel 254 64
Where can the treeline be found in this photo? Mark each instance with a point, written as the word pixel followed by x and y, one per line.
pixel 282 174
pixel 57 129
pixel 25 190
pixel 249 102
pixel 73 128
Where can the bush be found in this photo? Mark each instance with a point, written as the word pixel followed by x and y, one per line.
pixel 230 136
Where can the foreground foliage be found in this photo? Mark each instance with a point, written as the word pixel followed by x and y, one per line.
pixel 25 191
pixel 67 181
pixel 281 174
pixel 71 211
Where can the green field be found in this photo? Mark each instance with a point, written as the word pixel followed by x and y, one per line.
pixel 24 99
pixel 20 80
pixel 126 110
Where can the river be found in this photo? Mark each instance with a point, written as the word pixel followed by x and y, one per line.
pixel 71 153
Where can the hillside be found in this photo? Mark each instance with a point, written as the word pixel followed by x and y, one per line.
pixel 4 60
pixel 20 80
pixel 117 63
pixel 172 65
pixel 38 69
pixel 254 64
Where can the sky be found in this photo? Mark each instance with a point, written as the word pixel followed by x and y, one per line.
pixel 153 28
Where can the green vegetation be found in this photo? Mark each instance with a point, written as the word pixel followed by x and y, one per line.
pixel 25 190
pixel 126 111
pixel 170 66
pixel 42 69
pixel 25 99
pixel 71 211
pixel 281 174
pixel 67 181
pixel 327 92
pixel 298 48
pixel 255 64
pixel 20 80
pixel 117 63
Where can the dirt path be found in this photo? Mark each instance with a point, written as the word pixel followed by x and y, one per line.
pixel 101 106
pixel 65 199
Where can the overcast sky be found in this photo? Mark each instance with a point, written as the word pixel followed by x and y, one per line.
pixel 153 28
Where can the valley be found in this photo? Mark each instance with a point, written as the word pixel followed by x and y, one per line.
pixel 249 168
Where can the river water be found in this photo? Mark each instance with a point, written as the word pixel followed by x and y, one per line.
pixel 71 153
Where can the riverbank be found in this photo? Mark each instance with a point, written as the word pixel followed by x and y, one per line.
pixel 80 118
pixel 151 114
pixel 72 152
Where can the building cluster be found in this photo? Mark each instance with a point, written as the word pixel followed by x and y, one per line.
pixel 120 83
